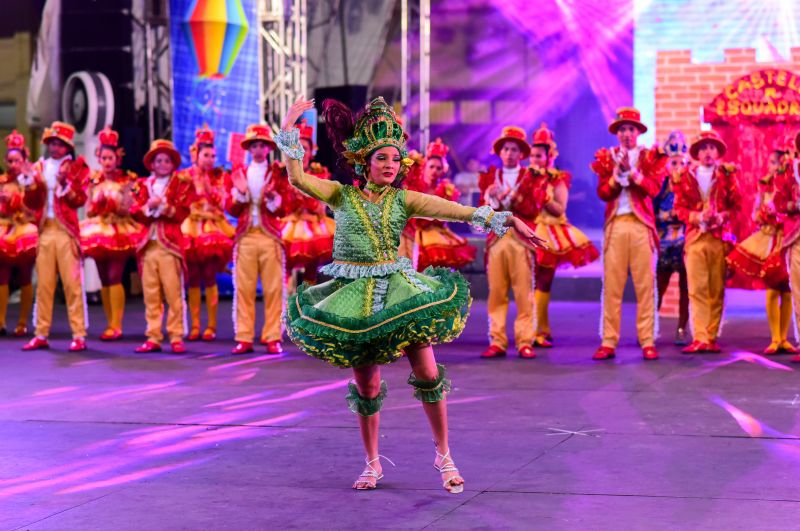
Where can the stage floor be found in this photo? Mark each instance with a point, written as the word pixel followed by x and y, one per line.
pixel 108 439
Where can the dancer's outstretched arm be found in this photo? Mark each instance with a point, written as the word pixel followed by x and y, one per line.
pixel 431 206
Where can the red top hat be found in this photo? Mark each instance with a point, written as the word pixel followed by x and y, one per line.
pixel 204 135
pixel 515 134
pixel 108 137
pixel 61 131
pixel 437 148
pixel 162 146
pixel 627 115
pixel 15 141
pixel 707 137
pixel 258 132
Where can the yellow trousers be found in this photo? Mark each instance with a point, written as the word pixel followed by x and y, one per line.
pixel 705 272
pixel 258 255
pixel 627 247
pixel 162 274
pixel 510 267
pixel 57 256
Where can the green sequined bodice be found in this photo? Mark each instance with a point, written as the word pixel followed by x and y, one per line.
pixel 368 233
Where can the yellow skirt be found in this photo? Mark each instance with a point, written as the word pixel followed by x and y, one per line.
pixel 566 245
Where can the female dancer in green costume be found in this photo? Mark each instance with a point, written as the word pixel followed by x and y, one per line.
pixel 377 308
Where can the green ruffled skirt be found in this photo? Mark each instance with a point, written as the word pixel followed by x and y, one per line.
pixel 368 321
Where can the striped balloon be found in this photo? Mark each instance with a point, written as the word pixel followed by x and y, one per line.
pixel 216 30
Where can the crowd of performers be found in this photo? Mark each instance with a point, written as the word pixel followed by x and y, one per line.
pixel 386 247
pixel 668 210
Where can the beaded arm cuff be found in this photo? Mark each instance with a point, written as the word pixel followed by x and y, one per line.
pixel 488 220
pixel 289 143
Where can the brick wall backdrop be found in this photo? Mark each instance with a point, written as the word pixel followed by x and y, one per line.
pixel 683 88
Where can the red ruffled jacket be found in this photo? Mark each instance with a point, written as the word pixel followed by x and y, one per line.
pixel 723 198
pixel 270 222
pixel 523 205
pixel 651 168
pixel 178 197
pixel 65 208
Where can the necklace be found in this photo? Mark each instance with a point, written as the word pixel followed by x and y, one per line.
pixel 376 188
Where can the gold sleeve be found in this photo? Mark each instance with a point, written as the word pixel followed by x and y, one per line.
pixel 421 205
pixel 325 190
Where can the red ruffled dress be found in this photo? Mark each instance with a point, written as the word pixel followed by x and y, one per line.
pixel 566 244
pixel 208 235
pixel 109 232
pixel 759 256
pixel 438 245
pixel 19 234
pixel 307 231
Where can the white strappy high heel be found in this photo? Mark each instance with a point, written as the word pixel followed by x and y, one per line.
pixel 447 465
pixel 369 475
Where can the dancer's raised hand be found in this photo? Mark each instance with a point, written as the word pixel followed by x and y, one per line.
pixel 300 105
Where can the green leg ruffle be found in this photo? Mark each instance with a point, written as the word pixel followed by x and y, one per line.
pixel 428 391
pixel 366 407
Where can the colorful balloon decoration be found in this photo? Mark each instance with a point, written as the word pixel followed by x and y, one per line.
pixel 216 31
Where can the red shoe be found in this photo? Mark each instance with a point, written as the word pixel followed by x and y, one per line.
pixel 603 353
pixel 36 343
pixel 148 346
pixel 194 335
pixel 696 347
pixel 787 348
pixel 714 347
pixel 242 347
pixel 795 359
pixel 178 347
pixel 111 335
pixel 543 341
pixel 527 352
pixel 209 334
pixel 772 349
pixel 77 345
pixel 493 352
pixel 263 341
pixel 274 347
pixel 20 331
pixel 650 353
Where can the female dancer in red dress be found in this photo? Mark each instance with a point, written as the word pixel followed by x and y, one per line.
pixel 438 245
pixel 18 234
pixel 307 231
pixel 109 234
pixel 207 234
pixel 566 244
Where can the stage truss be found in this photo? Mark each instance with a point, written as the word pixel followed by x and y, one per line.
pixel 157 68
pixel 419 11
pixel 282 56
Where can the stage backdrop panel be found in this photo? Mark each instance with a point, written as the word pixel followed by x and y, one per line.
pixel 515 62
pixel 215 71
